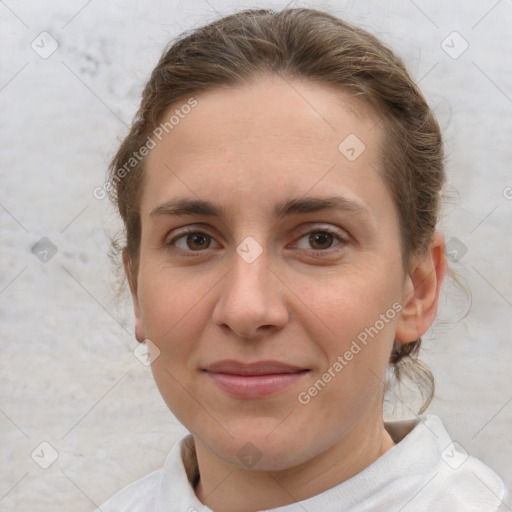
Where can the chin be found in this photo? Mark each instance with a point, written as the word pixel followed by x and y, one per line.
pixel 252 449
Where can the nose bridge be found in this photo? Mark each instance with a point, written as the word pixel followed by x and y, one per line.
pixel 251 257
pixel 249 275
pixel 249 297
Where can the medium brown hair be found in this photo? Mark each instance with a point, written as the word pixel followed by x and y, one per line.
pixel 321 48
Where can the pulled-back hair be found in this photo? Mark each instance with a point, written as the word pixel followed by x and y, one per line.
pixel 316 46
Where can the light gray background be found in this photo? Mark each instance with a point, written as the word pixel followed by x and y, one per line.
pixel 68 373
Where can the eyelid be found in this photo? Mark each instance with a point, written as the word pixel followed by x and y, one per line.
pixel 328 228
pixel 195 228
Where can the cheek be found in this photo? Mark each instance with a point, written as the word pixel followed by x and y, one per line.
pixel 353 301
pixel 359 312
pixel 361 318
pixel 171 308
pixel 173 311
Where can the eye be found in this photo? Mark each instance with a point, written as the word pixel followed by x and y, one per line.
pixel 321 240
pixel 192 241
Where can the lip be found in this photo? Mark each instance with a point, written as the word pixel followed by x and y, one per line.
pixel 253 380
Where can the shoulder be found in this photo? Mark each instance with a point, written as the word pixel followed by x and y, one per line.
pixel 138 496
pixel 161 488
pixel 472 486
pixel 454 480
pixel 468 483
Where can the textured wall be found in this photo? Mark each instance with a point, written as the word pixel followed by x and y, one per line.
pixel 68 374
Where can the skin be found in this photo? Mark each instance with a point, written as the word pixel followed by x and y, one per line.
pixel 247 148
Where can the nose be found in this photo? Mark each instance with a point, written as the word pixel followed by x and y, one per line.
pixel 252 301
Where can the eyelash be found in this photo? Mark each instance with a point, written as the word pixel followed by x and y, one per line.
pixel 343 239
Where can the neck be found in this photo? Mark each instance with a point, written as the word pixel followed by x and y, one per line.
pixel 226 488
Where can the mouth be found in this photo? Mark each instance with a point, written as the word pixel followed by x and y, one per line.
pixel 253 380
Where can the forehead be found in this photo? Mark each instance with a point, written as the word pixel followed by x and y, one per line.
pixel 269 105
pixel 273 136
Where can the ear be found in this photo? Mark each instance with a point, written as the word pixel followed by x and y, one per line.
pixel 132 282
pixel 421 292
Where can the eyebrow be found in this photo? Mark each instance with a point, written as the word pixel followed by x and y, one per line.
pixel 185 206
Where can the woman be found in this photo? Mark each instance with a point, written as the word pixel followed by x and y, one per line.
pixel 280 188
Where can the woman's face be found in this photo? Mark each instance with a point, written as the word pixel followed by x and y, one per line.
pixel 274 322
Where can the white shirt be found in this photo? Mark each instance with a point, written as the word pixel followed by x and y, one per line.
pixel 424 471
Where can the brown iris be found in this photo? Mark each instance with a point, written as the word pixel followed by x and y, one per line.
pixel 199 240
pixel 320 238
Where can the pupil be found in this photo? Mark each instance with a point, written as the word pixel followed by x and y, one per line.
pixel 321 238
pixel 196 239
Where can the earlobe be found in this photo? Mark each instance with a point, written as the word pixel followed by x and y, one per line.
pixel 421 292
pixel 132 282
